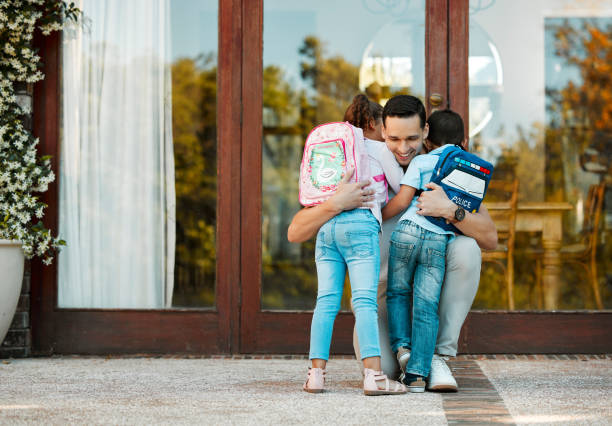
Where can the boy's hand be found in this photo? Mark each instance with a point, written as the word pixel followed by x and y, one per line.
pixel 435 203
pixel 349 196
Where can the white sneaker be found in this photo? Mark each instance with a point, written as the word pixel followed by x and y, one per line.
pixel 403 356
pixel 440 377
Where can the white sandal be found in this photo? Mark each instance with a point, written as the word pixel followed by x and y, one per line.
pixel 315 381
pixel 377 383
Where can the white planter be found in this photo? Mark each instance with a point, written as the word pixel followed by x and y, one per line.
pixel 11 277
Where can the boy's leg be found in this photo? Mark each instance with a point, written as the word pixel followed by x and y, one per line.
pixel 463 260
pixel 428 279
pixel 331 270
pixel 405 245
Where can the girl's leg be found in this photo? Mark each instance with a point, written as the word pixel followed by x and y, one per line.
pixel 388 361
pixel 463 260
pixel 357 240
pixel 331 270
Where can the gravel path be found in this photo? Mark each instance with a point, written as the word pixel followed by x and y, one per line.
pixel 196 391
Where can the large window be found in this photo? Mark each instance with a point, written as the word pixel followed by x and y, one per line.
pixel 317 56
pixel 540 110
pixel 138 156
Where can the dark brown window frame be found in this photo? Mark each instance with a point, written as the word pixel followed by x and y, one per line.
pixel 100 331
pixel 238 324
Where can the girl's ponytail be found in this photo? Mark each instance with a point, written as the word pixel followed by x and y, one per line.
pixel 362 111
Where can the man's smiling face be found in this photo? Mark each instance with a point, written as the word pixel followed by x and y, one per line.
pixel 404 137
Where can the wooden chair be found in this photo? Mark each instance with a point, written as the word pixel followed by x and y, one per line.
pixel 505 222
pixel 584 253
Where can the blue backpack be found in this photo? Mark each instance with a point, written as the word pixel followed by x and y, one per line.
pixel 465 178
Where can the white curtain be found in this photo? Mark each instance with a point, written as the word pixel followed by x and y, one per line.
pixel 117 200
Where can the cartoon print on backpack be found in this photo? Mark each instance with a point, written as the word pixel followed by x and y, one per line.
pixel 327 165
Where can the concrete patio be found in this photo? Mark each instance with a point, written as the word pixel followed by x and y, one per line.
pixel 243 390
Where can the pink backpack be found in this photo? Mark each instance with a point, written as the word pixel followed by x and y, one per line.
pixel 329 151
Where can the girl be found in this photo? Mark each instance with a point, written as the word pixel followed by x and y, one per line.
pixel 351 240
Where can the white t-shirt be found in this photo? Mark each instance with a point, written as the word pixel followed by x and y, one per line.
pixel 385 172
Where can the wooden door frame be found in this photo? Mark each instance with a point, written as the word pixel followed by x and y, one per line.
pixel 515 331
pixel 447 34
pixel 264 331
pixel 237 324
pixel 107 331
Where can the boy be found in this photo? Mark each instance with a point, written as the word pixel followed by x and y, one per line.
pixel 417 258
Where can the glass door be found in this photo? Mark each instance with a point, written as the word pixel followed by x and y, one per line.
pixel 539 110
pixel 305 64
pixel 142 148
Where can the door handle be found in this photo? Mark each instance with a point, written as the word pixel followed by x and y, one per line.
pixel 435 100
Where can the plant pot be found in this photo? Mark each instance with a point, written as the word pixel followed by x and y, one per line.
pixel 11 277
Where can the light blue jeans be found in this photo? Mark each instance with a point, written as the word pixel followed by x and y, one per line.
pixel 350 239
pixel 417 260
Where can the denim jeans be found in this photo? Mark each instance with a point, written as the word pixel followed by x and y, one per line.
pixel 350 239
pixel 416 271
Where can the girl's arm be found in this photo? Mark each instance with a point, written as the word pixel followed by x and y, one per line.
pixel 392 170
pixel 399 203
pixel 306 222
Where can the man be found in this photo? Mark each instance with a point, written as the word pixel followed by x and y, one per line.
pixel 404 130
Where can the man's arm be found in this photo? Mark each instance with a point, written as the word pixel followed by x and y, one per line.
pixel 306 222
pixel 477 225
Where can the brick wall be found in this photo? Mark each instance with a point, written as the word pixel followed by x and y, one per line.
pixel 18 340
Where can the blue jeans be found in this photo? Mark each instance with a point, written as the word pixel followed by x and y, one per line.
pixel 350 239
pixel 416 271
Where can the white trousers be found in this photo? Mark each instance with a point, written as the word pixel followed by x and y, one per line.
pixel 463 261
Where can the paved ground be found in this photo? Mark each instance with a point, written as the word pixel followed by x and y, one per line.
pixel 248 391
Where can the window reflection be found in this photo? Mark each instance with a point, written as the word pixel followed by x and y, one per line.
pixel 549 125
pixel 314 63
pixel 194 129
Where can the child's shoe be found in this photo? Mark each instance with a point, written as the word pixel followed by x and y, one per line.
pixel 403 356
pixel 414 382
pixel 315 381
pixel 377 383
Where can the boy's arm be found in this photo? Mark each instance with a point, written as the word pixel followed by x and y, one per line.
pixel 399 203
pixel 477 225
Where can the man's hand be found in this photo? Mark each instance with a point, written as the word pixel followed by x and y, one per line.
pixel 306 222
pixel 435 203
pixel 349 196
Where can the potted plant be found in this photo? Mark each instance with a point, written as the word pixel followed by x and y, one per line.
pixel 23 175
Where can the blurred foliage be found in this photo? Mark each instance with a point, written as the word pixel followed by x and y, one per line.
pixel 329 84
pixel 194 127
pixel 578 131
pixel 578 123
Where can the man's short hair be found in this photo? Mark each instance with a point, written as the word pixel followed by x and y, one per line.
pixel 404 106
pixel 445 126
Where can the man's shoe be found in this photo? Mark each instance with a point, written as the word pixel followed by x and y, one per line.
pixel 414 383
pixel 440 378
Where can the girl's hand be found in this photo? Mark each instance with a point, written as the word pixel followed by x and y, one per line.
pixel 435 203
pixel 350 196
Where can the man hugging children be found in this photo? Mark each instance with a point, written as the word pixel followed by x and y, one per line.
pixel 417 258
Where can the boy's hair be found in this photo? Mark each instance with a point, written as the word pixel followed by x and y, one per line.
pixel 361 111
pixel 404 106
pixel 445 126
